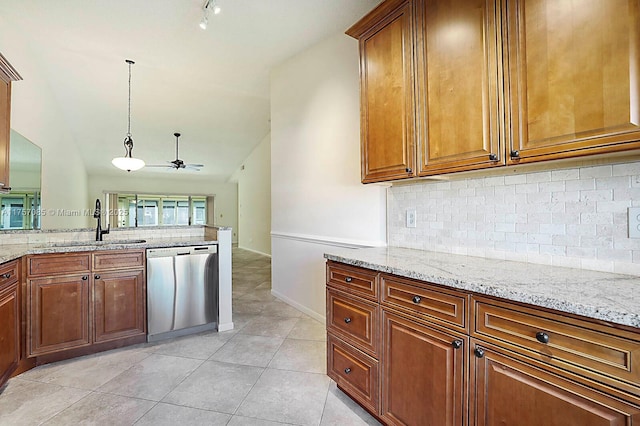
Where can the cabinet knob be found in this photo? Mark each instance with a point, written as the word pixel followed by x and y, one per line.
pixel 347 370
pixel 348 279
pixel 97 277
pixel 417 299
pixel 457 344
pixel 347 320
pixel 515 155
pixel 542 337
pixel 493 157
pixel 478 352
pixel 84 278
pixel 408 170
pixel 6 276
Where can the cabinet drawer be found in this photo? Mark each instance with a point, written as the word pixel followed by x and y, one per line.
pixel 108 260
pixel 58 264
pixel 8 274
pixel 354 319
pixel 353 371
pixel 354 280
pixel 429 302
pixel 577 345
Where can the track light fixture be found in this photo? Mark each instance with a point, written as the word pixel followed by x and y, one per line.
pixel 208 7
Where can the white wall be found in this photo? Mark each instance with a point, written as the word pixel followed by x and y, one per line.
pixel 254 199
pixel 575 217
pixel 226 194
pixel 317 199
pixel 35 115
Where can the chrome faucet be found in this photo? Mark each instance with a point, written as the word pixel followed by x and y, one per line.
pixel 96 215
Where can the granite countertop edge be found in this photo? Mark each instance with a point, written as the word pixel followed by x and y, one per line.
pixel 607 309
pixel 16 251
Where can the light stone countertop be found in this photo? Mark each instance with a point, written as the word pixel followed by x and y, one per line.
pixel 9 252
pixel 604 296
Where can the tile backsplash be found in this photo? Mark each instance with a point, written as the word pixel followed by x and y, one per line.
pixel 570 217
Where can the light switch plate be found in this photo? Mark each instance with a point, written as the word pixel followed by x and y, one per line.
pixel 411 218
pixel 634 222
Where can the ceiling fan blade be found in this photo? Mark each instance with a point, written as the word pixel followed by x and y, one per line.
pixel 166 166
pixel 195 165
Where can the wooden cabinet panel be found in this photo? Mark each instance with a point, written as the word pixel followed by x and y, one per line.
pixel 573 71
pixel 110 260
pixel 58 316
pixel 359 281
pixel 506 391
pixel 355 320
pixel 424 374
pixel 353 371
pixel 9 330
pixel 57 264
pixel 387 92
pixel 119 305
pixel 429 302
pixel 576 345
pixel 458 86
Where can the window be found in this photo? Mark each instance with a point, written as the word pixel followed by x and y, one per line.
pixel 153 210
pixel 20 210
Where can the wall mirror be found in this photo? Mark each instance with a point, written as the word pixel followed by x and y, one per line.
pixel 21 205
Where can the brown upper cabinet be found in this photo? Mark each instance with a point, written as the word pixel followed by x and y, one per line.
pixel 455 85
pixel 7 75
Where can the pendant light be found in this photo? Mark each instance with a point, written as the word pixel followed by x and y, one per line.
pixel 128 162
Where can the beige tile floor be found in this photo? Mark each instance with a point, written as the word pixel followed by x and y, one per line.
pixel 270 370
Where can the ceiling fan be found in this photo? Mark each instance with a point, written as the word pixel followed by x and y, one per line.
pixel 178 163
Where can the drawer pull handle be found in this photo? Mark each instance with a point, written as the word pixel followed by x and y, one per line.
pixel 347 320
pixel 457 344
pixel 478 352
pixel 542 337
pixel 97 277
pixel 515 155
pixel 6 276
pixel 493 157
pixel 84 278
pixel 417 299
pixel 347 370
pixel 348 279
pixel 408 170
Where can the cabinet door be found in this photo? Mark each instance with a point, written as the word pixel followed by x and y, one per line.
pixel 58 316
pixel 506 391
pixel 458 86
pixel 9 331
pixel 119 305
pixel 574 68
pixel 387 92
pixel 5 113
pixel 424 374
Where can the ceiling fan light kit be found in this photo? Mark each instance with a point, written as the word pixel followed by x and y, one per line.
pixel 128 162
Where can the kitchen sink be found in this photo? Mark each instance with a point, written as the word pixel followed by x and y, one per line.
pixel 94 243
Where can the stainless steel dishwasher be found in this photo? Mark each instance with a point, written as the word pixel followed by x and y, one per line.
pixel 182 291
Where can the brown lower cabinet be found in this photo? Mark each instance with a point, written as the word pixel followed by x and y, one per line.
pixel 424 373
pixel 456 358
pixel 9 321
pixel 58 313
pixel 509 391
pixel 80 303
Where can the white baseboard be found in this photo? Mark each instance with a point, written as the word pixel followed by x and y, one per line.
pixel 299 307
pixel 254 251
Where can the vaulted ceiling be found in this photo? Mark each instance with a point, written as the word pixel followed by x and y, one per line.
pixel 211 85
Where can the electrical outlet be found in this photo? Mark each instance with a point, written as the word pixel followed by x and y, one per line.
pixel 411 218
pixel 634 222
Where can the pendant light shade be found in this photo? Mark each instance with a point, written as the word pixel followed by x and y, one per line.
pixel 128 162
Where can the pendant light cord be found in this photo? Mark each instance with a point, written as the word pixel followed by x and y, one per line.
pixel 129 117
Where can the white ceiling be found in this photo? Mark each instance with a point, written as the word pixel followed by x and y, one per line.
pixel 212 86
